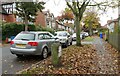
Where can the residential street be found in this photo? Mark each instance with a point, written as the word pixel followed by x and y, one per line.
pixel 60 37
pixel 99 59
pixel 106 63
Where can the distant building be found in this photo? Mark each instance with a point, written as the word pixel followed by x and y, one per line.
pixel 45 19
pixel 63 26
pixel 112 24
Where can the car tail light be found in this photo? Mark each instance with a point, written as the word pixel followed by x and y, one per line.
pixel 33 43
pixel 11 42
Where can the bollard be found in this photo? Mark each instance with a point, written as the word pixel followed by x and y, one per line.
pixel 56 54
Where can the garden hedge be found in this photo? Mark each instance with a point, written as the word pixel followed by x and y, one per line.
pixel 12 29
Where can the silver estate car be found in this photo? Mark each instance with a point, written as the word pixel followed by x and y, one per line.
pixel 32 43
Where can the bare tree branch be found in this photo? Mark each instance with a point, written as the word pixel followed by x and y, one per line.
pixel 70 6
pixel 78 6
pixel 75 8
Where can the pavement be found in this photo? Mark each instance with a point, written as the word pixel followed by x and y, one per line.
pixel 105 59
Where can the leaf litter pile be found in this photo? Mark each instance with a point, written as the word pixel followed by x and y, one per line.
pixel 74 60
pixel 113 59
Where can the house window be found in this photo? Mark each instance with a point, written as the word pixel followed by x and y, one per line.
pixel 47 21
pixel 8 8
pixel 18 19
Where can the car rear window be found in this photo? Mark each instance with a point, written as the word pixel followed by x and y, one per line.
pixel 25 36
pixel 63 34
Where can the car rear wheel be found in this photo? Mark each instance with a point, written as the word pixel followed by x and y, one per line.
pixel 45 53
pixel 71 43
pixel 66 44
pixel 19 56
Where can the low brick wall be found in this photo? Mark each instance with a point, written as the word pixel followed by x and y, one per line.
pixel 114 39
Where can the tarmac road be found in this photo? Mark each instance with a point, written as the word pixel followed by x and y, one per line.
pixel 11 64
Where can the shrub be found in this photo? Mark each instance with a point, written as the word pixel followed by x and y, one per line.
pixel 31 27
pixel 12 29
pixel 48 29
pixel 38 28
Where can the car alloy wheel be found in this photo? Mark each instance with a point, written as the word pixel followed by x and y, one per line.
pixel 45 53
pixel 71 43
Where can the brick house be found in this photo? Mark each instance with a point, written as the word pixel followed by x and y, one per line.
pixel 6 13
pixel 40 19
pixel 45 19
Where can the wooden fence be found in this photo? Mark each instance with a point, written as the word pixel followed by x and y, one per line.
pixel 114 40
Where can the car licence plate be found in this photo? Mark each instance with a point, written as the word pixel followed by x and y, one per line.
pixel 20 45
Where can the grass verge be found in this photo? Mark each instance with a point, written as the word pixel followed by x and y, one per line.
pixel 88 39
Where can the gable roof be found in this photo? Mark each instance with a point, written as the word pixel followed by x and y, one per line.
pixel 110 21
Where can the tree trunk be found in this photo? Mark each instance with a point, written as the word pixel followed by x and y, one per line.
pixel 90 28
pixel 77 24
pixel 26 23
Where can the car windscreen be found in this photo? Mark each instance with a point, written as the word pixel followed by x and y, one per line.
pixel 25 36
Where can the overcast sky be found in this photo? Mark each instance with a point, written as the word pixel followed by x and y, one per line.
pixel 57 6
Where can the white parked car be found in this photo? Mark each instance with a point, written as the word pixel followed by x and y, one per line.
pixel 85 34
pixel 64 37
pixel 74 36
